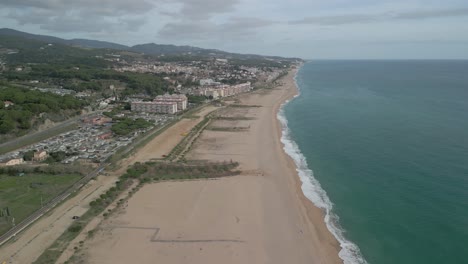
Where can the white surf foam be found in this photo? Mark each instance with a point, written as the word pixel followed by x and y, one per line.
pixel 349 253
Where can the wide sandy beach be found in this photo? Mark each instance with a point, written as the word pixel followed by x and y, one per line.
pixel 260 216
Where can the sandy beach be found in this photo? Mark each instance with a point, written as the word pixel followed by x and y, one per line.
pixel 260 216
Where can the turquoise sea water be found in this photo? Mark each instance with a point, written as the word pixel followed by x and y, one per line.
pixel 387 141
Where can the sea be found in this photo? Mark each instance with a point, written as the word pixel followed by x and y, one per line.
pixel 382 148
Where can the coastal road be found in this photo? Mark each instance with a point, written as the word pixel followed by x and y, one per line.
pixel 48 206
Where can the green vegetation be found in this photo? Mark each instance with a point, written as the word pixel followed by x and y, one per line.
pixel 55 169
pixel 233 118
pixel 22 193
pixel 196 99
pixel 73 68
pixel 58 156
pixel 227 129
pixel 34 51
pixel 80 77
pixel 28 104
pixel 186 143
pixel 160 171
pixel 243 106
pixel 126 126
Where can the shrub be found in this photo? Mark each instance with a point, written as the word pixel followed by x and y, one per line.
pixel 75 228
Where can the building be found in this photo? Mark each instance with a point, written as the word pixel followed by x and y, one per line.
pixel 206 82
pixel 155 107
pixel 40 155
pixel 180 99
pixel 107 135
pixel 14 162
pixel 243 87
pixel 98 120
pixel 8 103
pixel 213 93
pixel 162 104
pixel 223 90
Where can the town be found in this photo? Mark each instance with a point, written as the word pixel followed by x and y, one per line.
pixel 94 140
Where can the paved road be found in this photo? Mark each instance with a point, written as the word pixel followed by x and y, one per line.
pixel 47 207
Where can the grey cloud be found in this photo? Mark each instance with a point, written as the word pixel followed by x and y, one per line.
pixel 61 24
pixel 78 15
pixel 108 15
pixel 336 20
pixel 105 7
pixel 204 9
pixel 369 18
pixel 232 29
pixel 187 30
pixel 433 14
pixel 421 42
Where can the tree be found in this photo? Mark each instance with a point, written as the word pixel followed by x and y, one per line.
pixel 28 156
pixel 6 126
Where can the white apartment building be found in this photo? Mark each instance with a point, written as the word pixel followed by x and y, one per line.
pixel 155 107
pixel 180 99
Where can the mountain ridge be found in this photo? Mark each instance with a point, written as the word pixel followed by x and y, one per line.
pixel 146 48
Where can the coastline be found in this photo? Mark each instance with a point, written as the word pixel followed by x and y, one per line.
pixel 315 212
pixel 260 216
pixel 314 197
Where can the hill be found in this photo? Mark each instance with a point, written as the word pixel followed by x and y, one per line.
pixel 148 48
pixel 44 38
pixel 158 49
pixel 96 44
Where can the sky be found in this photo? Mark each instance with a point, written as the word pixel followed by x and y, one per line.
pixel 309 29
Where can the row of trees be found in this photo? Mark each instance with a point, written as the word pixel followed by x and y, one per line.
pixel 53 169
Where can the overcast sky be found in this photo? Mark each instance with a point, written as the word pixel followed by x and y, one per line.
pixel 310 29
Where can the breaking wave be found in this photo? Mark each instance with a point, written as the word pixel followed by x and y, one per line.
pixel 349 253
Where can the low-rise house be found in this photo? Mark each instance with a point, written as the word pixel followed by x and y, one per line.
pixel 40 155
pixel 8 103
pixel 105 135
pixel 14 161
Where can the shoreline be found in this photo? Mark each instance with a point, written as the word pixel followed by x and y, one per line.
pixel 260 216
pixel 315 196
pixel 316 214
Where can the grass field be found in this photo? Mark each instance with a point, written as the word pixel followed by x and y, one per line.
pixel 22 194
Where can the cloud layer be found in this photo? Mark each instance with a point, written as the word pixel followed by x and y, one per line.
pixel 252 26
pixel 78 15
pixel 371 18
